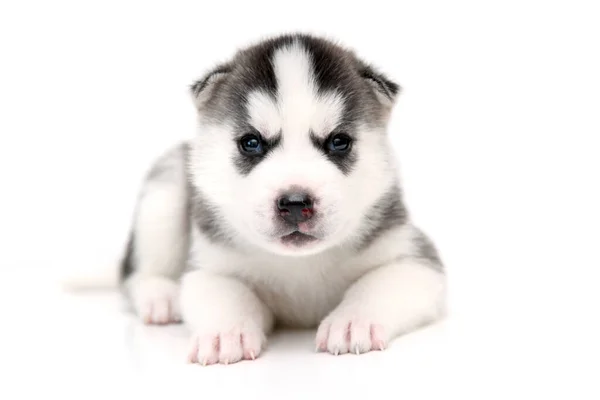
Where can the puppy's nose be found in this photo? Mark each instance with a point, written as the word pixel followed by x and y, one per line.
pixel 295 207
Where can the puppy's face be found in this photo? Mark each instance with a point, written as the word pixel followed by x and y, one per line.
pixel 292 151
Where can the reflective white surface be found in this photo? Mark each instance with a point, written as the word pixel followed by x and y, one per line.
pixel 89 345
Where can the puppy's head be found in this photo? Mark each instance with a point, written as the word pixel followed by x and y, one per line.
pixel 292 151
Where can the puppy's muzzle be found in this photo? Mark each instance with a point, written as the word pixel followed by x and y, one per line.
pixel 295 207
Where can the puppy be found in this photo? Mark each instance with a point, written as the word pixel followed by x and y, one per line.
pixel 285 209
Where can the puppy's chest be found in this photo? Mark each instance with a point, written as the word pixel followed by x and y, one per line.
pixel 300 293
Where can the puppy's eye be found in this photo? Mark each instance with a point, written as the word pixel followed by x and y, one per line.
pixel 339 143
pixel 251 144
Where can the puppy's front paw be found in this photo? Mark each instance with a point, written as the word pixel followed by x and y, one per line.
pixel 346 332
pixel 226 346
pixel 156 300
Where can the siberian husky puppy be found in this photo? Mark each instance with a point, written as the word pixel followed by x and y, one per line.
pixel 285 209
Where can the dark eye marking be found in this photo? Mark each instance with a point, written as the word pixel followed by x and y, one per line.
pixel 338 148
pixel 251 144
pixel 252 149
pixel 339 143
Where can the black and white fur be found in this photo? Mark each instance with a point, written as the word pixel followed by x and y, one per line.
pixel 206 243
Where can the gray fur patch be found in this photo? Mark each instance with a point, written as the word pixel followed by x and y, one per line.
pixel 165 169
pixel 128 264
pixel 387 213
pixel 207 218
pixel 204 215
pixel 426 250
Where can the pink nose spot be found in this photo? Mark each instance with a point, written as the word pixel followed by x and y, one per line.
pixel 306 212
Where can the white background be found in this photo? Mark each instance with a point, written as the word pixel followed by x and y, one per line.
pixel 497 131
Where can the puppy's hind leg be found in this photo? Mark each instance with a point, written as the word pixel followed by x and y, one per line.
pixel 158 244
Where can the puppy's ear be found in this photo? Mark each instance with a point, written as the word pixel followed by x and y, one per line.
pixel 203 89
pixel 387 91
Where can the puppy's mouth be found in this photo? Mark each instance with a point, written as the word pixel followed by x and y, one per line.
pixel 297 239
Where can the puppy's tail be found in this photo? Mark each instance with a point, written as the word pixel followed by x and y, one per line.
pixel 103 278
